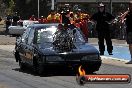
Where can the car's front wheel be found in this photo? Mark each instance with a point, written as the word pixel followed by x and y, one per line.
pixel 91 68
pixel 18 59
pixel 38 67
pixel 21 65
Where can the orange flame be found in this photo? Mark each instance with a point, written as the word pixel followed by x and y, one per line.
pixel 81 71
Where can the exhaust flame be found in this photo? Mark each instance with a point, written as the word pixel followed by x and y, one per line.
pixel 81 71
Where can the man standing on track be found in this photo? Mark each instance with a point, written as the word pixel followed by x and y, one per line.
pixel 128 16
pixel 102 26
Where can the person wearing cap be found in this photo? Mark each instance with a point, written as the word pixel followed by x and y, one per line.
pixel 101 18
pixel 128 16
pixel 66 17
pixel 15 19
pixel 8 22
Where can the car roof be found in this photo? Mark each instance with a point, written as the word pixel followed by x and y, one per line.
pixel 36 26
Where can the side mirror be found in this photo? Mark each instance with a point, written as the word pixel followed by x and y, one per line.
pixel 18 40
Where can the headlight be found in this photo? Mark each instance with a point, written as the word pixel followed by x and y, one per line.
pixel 91 57
pixel 54 58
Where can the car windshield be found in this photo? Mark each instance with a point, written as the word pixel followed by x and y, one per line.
pixel 46 36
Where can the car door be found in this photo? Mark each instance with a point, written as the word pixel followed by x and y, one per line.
pixel 23 44
pixel 29 50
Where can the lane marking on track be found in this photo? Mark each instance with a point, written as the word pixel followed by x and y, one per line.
pixel 112 58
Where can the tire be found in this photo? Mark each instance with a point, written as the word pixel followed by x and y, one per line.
pixel 92 67
pixel 21 65
pixel 17 56
pixel 38 68
pixel 18 59
pixel 88 70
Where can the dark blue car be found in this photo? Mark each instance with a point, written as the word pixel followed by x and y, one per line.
pixel 44 45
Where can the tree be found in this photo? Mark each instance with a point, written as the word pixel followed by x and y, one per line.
pixel 26 8
pixel 9 6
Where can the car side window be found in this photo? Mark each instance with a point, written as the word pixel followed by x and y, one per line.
pixel 31 37
pixel 25 35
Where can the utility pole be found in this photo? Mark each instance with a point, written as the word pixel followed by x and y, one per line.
pixel 38 9
pixel 111 6
pixel 53 5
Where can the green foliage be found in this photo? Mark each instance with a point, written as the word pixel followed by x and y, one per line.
pixel 8 3
pixel 9 6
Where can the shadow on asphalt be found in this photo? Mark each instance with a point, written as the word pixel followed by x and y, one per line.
pixel 49 72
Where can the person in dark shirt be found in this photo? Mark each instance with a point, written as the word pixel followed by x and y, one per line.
pixel 102 19
pixel 65 17
pixel 15 19
pixel 8 23
pixel 128 16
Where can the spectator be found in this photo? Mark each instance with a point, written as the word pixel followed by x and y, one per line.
pixel 8 23
pixel 32 18
pixel 66 17
pixel 128 16
pixel 41 19
pixel 102 26
pixel 15 19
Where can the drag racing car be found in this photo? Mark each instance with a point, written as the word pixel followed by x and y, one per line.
pixel 19 29
pixel 46 45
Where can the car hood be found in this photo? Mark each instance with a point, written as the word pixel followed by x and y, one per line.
pixel 84 49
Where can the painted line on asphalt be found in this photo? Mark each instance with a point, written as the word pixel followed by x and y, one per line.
pixel 112 58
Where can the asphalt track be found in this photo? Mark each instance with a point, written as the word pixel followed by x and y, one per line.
pixel 119 52
pixel 12 77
